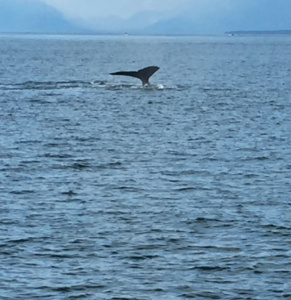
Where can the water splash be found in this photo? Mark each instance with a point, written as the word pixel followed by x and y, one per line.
pixel 79 84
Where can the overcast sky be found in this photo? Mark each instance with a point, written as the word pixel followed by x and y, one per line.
pixel 159 16
pixel 87 9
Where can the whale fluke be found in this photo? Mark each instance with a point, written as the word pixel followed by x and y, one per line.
pixel 142 74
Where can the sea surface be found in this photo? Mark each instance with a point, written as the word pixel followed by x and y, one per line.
pixel 112 190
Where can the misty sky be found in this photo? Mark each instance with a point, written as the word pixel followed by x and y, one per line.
pixel 151 16
pixel 88 9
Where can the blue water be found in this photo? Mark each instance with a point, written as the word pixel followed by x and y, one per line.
pixel 111 190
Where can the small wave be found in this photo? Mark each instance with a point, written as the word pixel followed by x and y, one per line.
pixel 52 85
pixel 159 86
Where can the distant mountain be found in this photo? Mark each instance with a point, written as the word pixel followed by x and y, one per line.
pixel 175 26
pixel 34 17
pixel 133 25
pixel 197 17
pixel 226 15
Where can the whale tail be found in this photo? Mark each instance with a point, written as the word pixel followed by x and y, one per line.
pixel 142 74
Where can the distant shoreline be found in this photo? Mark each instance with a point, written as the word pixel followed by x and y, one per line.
pixel 259 32
pixel 93 33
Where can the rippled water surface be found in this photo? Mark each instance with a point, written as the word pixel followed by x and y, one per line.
pixel 179 190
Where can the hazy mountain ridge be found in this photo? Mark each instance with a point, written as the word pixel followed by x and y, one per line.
pixel 209 17
pixel 244 15
pixel 114 24
pixel 34 17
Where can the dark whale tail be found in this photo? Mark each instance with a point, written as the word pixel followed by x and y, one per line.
pixel 142 74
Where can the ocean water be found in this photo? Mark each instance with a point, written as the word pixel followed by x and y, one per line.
pixel 111 190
